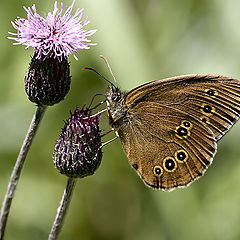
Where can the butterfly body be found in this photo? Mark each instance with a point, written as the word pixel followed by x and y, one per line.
pixel 117 108
pixel 169 128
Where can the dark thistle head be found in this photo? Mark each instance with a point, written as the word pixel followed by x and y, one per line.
pixel 48 80
pixel 53 38
pixel 78 151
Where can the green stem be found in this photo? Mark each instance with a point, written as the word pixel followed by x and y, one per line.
pixel 62 210
pixel 12 185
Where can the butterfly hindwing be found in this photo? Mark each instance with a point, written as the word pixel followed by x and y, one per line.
pixel 169 149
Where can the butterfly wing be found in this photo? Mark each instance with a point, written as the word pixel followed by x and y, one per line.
pixel 172 126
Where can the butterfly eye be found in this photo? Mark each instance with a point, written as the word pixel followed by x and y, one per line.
pixel 116 97
pixel 186 124
pixel 207 109
pixel 181 156
pixel 158 171
pixel 182 132
pixel 211 92
pixel 169 164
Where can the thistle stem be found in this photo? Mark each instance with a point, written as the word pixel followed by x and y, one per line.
pixel 12 185
pixel 62 210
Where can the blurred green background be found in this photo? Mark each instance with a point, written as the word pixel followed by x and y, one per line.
pixel 143 41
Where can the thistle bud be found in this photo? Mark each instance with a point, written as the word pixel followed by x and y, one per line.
pixel 48 80
pixel 78 151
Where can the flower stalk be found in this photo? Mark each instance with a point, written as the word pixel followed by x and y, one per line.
pixel 62 210
pixel 18 168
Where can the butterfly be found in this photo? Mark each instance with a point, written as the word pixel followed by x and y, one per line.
pixel 169 128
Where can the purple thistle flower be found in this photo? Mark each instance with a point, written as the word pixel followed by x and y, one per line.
pixel 78 151
pixel 58 35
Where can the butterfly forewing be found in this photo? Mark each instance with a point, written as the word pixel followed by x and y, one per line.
pixel 212 99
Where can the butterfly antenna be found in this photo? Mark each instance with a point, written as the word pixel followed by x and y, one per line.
pixel 109 68
pixel 88 68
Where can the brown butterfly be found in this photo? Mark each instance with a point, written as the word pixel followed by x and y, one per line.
pixel 169 128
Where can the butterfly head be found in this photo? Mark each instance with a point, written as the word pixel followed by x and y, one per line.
pixel 115 104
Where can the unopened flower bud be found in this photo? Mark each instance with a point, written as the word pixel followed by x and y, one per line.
pixel 48 80
pixel 78 151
